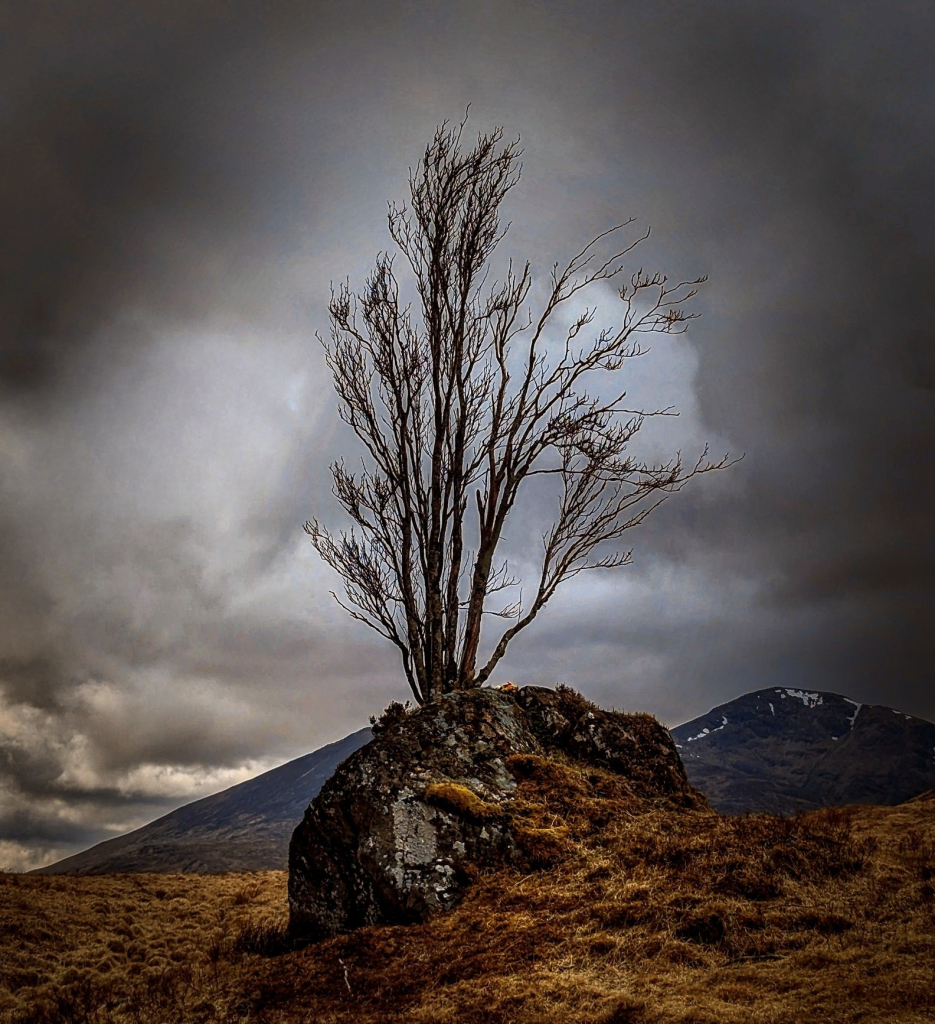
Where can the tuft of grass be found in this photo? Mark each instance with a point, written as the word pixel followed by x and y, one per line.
pixel 574 704
pixel 265 938
pixel 459 800
pixel 246 894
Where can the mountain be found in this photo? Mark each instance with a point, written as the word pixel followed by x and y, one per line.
pixel 244 828
pixel 785 750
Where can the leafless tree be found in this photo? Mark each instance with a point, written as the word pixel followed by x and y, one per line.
pixel 462 405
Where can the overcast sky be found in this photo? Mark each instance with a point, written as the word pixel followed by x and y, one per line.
pixel 179 183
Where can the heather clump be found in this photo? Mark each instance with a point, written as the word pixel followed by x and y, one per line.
pixel 391 715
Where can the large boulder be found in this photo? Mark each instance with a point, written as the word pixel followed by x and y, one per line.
pixel 408 820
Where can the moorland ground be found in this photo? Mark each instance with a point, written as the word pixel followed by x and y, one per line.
pixel 614 916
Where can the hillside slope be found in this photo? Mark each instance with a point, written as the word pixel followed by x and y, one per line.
pixel 785 750
pixel 244 828
pixel 665 917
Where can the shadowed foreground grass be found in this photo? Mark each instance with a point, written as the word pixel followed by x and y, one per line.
pixel 617 915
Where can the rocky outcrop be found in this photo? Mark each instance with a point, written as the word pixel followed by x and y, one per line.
pixel 408 820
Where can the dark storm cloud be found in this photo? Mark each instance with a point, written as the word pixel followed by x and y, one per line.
pixel 798 142
pixel 828 125
pixel 89 147
pixel 179 182
pixel 134 164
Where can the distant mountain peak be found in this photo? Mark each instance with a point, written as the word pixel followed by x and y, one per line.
pixel 810 700
pixel 785 749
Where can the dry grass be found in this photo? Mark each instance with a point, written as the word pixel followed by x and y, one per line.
pixel 451 796
pixel 127 947
pixel 617 915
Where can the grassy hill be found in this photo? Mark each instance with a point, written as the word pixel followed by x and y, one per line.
pixel 616 917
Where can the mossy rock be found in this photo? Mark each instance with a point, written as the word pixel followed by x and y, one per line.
pixel 455 788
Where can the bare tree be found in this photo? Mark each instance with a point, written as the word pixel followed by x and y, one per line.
pixel 462 405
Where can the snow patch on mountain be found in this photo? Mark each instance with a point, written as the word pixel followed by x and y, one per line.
pixel 810 700
pixel 708 732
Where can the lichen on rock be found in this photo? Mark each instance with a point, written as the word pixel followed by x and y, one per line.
pixel 408 820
